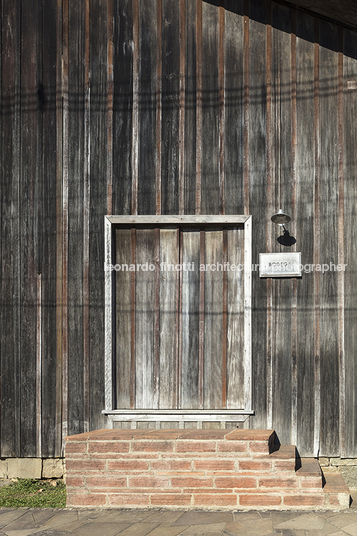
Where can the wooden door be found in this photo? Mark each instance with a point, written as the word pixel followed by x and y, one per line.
pixel 179 318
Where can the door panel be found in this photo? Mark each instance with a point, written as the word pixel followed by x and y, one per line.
pixel 179 328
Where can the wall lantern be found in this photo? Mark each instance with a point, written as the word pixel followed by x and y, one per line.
pixel 280 218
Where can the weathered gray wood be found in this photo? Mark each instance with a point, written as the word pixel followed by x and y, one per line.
pixel 29 203
pixel 10 231
pixel 170 106
pixel 257 202
pixel 169 317
pixel 304 229
pixel 175 219
pixel 213 334
pixel 98 204
pixel 282 176
pixel 190 109
pixel 144 318
pixel 76 164
pixel 210 105
pixel 233 107
pixel 122 106
pixel 147 105
pixel 123 318
pixel 328 240
pixel 190 321
pixel 350 312
pixel 235 323
pixel 48 232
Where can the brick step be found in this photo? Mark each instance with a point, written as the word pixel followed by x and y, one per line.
pixel 192 468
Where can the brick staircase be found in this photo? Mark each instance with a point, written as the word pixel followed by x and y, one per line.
pixel 193 469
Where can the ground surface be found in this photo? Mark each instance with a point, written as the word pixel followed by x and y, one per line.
pixel 90 522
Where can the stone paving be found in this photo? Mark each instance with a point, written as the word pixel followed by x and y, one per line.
pixel 94 522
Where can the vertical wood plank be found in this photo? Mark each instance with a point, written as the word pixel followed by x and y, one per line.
pixel 191 109
pixel 144 317
pixel 170 106
pixel 305 229
pixel 210 190
pixel 77 165
pixel 182 90
pixel 124 111
pixel 281 172
pixel 329 239
pixel 158 105
pixel 341 255
pixel 10 243
pixel 135 127
pixel 316 256
pixel 147 106
pixel 123 317
pixel 190 320
pixel 256 163
pixel 49 238
pixel 29 200
pixel 235 321
pixel 350 245
pixel 199 96
pixel 234 107
pixel 213 332
pixel 169 301
pixel 97 204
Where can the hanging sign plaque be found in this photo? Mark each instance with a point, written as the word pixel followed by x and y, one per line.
pixel 280 265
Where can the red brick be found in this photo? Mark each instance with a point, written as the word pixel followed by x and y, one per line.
pixel 334 500
pixel 277 483
pixel 216 499
pixel 251 465
pixel 85 465
pixel 311 482
pixel 195 446
pixel 86 499
pixel 106 482
pixel 170 500
pixel 260 447
pixel 250 435
pixel 187 482
pixel 75 481
pixel 128 465
pixel 286 465
pixel 128 499
pixel 259 500
pixel 235 482
pixel 171 465
pixel 304 500
pixel 214 465
pixel 232 446
pixel 75 448
pixel 108 446
pixel 152 446
pixel 148 482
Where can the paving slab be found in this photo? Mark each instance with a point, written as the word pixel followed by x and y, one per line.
pixel 107 529
pixel 207 528
pixel 166 530
pixel 139 529
pixel 258 528
pixel 61 519
pixel 9 516
pixel 340 520
pixel 164 517
pixel 201 518
pixel 303 522
pixel 350 529
pixel 26 521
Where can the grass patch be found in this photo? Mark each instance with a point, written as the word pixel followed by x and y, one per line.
pixel 33 493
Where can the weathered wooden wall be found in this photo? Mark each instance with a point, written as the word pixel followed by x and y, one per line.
pixel 174 107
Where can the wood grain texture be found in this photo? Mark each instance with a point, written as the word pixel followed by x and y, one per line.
pixel 328 240
pixel 350 193
pixel 234 107
pixel 48 234
pixel 123 82
pixel 304 228
pixel 10 231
